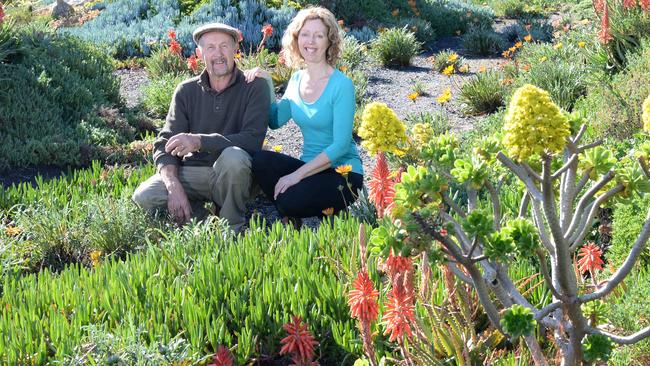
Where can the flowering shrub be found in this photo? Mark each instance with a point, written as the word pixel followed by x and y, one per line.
pixel 395 47
pixel 381 129
pixel 534 124
pixel 645 117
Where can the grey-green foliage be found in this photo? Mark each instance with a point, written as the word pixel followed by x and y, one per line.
pixel 395 47
pixel 484 93
pixel 483 41
pixel 420 27
pixel 49 84
pixel 353 53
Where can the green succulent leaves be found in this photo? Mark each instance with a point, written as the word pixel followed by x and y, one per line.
pixel 599 159
pixel 473 172
pixel 524 236
pixel 597 347
pixel 478 224
pixel 518 321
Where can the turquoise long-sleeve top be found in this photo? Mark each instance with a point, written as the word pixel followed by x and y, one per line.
pixel 326 124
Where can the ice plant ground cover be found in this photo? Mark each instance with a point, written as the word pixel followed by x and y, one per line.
pixel 515 243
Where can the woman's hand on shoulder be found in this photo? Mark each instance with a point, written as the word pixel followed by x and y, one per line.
pixel 256 72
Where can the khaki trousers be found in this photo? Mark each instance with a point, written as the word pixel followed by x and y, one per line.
pixel 227 183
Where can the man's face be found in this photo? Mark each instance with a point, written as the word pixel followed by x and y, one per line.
pixel 217 50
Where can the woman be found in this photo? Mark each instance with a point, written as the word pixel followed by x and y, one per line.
pixel 320 100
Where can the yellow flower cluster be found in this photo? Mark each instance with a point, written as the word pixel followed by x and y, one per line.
pixel 534 124
pixel 422 133
pixel 380 129
pixel 646 114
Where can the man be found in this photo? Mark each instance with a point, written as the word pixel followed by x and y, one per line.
pixel 215 121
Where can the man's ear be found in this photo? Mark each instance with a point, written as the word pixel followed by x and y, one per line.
pixel 198 53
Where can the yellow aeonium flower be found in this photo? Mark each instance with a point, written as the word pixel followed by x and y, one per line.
pixel 380 129
pixel 534 124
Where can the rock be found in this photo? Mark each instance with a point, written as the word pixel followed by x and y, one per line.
pixel 62 10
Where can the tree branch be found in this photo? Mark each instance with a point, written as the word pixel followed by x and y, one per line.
pixel 580 133
pixel 575 240
pixel 546 275
pixel 589 146
pixel 584 179
pixel 523 207
pixel 521 174
pixel 545 311
pixel 566 166
pixel 631 339
pixel 584 200
pixel 496 205
pixel 541 227
pixel 454 207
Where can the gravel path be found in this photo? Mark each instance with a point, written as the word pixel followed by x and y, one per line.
pixel 390 86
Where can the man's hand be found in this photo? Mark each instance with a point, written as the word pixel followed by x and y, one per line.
pixel 179 206
pixel 183 144
pixel 285 182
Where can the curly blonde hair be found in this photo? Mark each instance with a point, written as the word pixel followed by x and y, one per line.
pixel 290 38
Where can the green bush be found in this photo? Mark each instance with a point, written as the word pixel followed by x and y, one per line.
pixel 483 41
pixel 50 83
pixel 439 121
pixel 626 225
pixel 509 8
pixel 353 54
pixel 395 47
pixel 614 105
pixel 420 27
pixel 157 95
pixel 453 17
pixel 446 58
pixel 199 284
pixel 484 93
pixel 163 62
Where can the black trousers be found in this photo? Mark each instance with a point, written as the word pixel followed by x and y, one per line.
pixel 311 195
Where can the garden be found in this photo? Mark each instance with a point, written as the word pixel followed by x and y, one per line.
pixel 504 220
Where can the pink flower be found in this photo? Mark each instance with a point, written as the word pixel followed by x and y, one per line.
pixel 590 258
pixel 171 33
pixel 267 30
pixel 398 313
pixel 363 299
pixel 222 357
pixel 193 63
pixel 604 35
pixel 628 4
pixel 300 342
pixel 645 4
pixel 175 47
pixel 382 187
pixel 599 6
pixel 397 264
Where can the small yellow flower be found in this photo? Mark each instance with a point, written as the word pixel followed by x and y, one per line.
pixel 13 230
pixel 381 30
pixel 344 169
pixel 506 53
pixel 448 70
pixel 482 68
pixel 395 12
pixel 585 21
pixel 452 58
pixel 582 44
pixel 328 211
pixel 444 97
pixel 645 116
pixel 95 255
pixel 518 44
pixel 277 148
pixel 528 38
pixel 238 56
pixel 558 45
pixel 464 68
pixel 343 68
pixel 413 96
pixel 543 58
pixel 266 142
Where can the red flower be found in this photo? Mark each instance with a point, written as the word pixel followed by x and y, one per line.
pixel 221 358
pixel 2 13
pixel 398 264
pixel 382 188
pixel 175 47
pixel 628 4
pixel 171 33
pixel 599 6
pixel 193 63
pixel 363 299
pixel 590 258
pixel 267 30
pixel 300 342
pixel 399 313
pixel 281 58
pixel 604 35
pixel 645 4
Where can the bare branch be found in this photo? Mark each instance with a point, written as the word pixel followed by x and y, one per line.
pixel 546 275
pixel 521 174
pixel 462 276
pixel 471 251
pixel 631 339
pixel 584 200
pixel 575 240
pixel 479 258
pixel 523 207
pixel 580 133
pixel 454 207
pixel 531 172
pixel 539 315
pixel 625 268
pixel 541 227
pixel 496 205
pixel 566 166
pixel 589 146
pixel 584 179
pixel 458 230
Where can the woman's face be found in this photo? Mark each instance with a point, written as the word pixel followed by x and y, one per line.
pixel 313 41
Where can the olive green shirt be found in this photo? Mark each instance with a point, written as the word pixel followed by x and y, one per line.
pixel 236 116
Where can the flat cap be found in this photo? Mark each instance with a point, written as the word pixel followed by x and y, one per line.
pixel 216 27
